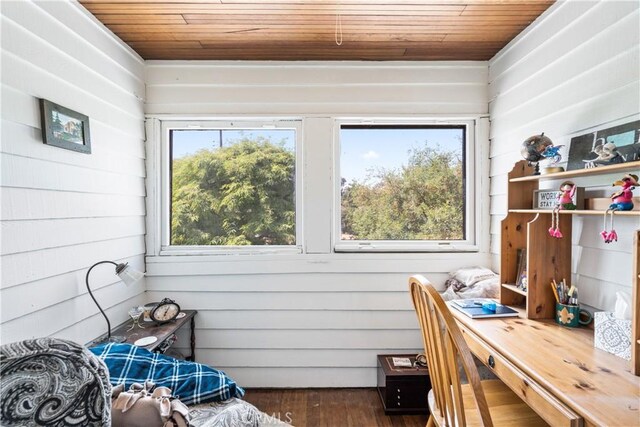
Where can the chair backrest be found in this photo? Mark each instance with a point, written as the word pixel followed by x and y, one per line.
pixel 53 382
pixel 445 348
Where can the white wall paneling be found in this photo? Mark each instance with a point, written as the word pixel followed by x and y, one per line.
pixel 316 319
pixel 574 70
pixel 346 88
pixel 62 211
pixel 24 203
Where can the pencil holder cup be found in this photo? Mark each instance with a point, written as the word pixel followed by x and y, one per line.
pixel 572 316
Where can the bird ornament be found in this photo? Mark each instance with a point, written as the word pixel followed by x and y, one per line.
pixel 622 200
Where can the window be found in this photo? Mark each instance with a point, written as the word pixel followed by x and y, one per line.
pixel 231 185
pixel 404 187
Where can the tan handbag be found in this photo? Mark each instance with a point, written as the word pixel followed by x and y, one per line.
pixel 147 406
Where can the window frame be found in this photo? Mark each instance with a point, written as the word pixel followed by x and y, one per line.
pixel 166 126
pixel 471 242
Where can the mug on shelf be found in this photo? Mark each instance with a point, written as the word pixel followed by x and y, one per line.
pixel 572 316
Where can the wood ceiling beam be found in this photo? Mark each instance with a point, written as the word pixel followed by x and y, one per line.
pixel 159 8
pixel 182 54
pixel 318 37
pixel 409 20
pixel 257 3
pixel 307 29
pixel 266 44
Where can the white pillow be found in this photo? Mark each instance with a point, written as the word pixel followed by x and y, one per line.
pixel 471 275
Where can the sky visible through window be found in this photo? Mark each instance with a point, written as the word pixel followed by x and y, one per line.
pixel 190 141
pixel 361 150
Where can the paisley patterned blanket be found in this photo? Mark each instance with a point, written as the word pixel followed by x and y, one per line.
pixel 52 382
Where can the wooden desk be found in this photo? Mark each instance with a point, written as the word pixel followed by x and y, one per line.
pixel 556 370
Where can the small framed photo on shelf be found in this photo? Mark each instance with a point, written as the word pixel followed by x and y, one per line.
pixel 545 199
pixel 549 199
pixel 64 128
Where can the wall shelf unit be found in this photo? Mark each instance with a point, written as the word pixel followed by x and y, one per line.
pixel 576 212
pixel 549 258
pixel 623 167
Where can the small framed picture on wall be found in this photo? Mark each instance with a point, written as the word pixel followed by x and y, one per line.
pixel 64 128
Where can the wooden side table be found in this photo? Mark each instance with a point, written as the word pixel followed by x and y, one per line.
pixel 165 333
pixel 403 390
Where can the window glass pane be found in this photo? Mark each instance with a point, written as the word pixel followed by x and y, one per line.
pixel 402 182
pixel 233 187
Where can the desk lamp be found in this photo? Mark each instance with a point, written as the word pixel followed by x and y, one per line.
pixel 129 276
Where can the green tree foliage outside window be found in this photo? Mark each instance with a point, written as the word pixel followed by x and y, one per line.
pixel 423 200
pixel 242 194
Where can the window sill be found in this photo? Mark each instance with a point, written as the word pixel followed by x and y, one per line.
pixel 365 263
pixel 389 247
pixel 229 250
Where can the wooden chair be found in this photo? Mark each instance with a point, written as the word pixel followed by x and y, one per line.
pixel 478 403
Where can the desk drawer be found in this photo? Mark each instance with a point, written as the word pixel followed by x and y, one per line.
pixel 545 404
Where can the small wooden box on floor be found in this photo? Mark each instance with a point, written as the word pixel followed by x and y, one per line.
pixel 402 390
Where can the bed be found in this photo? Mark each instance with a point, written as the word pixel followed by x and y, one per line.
pixel 56 382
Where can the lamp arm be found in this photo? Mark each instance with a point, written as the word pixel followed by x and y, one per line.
pixel 94 298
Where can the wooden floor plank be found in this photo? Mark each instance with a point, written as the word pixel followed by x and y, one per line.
pixel 354 407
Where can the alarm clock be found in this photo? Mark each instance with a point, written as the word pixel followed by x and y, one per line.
pixel 166 311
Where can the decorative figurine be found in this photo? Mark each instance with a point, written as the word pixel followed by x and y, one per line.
pixel 551 152
pixel 607 154
pixel 622 201
pixel 540 147
pixel 533 148
pixel 566 194
pixel 554 230
pixel 609 236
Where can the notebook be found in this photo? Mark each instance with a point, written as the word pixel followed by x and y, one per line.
pixel 473 308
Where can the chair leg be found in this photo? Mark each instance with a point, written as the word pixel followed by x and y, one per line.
pixel 430 423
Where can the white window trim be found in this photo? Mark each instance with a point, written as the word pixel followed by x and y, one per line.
pixel 473 216
pixel 164 190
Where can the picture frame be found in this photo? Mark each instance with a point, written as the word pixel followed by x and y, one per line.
pixel 64 128
pixel 545 199
pixel 603 147
pixel 548 199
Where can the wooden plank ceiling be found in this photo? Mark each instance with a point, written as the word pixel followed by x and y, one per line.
pixel 382 30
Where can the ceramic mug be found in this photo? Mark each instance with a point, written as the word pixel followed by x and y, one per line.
pixel 572 316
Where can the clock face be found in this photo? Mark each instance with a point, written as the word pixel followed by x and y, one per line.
pixel 165 312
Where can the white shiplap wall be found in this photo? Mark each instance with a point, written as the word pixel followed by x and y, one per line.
pixel 575 69
pixel 317 319
pixel 62 211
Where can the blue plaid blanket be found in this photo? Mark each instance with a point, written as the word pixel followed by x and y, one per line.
pixel 191 382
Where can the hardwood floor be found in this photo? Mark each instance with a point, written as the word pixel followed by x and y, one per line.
pixel 357 407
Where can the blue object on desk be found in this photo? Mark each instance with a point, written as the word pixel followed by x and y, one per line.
pixel 489 306
pixel 487 309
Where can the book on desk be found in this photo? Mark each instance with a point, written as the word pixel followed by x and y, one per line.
pixel 476 308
